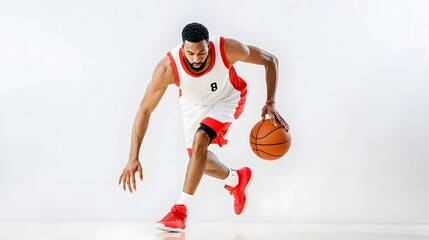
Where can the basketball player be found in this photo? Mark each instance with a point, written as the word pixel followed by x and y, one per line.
pixel 212 96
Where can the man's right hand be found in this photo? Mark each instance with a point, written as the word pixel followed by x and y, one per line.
pixel 128 175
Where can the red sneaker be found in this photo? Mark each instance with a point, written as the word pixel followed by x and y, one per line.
pixel 244 176
pixel 175 220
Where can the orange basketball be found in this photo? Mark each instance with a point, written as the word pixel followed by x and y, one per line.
pixel 269 142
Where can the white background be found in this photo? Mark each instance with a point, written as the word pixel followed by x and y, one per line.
pixel 353 85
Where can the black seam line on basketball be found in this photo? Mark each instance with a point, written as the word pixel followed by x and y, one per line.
pixel 257 139
pixel 269 144
pixel 267 153
pixel 257 130
pixel 266 134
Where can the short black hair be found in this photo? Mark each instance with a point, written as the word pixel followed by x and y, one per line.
pixel 195 32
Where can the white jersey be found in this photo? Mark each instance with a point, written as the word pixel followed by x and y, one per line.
pixel 209 87
pixel 214 98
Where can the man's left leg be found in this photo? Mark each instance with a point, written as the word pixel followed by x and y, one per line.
pixel 235 180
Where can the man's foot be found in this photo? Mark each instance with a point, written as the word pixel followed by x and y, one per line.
pixel 244 176
pixel 175 220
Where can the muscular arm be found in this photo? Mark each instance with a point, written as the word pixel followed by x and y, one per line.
pixel 236 51
pixel 163 76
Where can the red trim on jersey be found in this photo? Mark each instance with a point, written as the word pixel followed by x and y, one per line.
pixel 241 85
pixel 182 61
pixel 220 128
pixel 176 73
pixel 222 53
pixel 189 151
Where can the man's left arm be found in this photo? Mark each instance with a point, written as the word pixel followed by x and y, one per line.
pixel 236 51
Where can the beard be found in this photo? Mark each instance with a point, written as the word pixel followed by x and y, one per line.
pixel 197 69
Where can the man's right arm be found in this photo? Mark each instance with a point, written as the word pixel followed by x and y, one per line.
pixel 163 76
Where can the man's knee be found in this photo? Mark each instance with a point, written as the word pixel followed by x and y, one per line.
pixel 201 139
pixel 208 130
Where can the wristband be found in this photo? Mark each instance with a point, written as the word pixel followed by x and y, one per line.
pixel 270 101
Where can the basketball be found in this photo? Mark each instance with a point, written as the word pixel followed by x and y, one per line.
pixel 268 141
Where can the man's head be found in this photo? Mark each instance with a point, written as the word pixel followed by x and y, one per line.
pixel 195 45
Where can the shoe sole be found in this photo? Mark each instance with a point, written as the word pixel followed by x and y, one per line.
pixel 162 227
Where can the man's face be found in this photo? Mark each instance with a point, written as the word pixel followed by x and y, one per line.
pixel 196 54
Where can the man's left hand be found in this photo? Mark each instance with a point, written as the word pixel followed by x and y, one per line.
pixel 275 117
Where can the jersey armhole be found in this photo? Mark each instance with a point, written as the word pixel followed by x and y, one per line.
pixel 222 52
pixel 173 64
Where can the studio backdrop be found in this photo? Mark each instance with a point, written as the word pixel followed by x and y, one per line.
pixel 353 86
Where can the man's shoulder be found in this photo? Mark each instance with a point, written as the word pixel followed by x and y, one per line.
pixel 234 50
pixel 165 70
